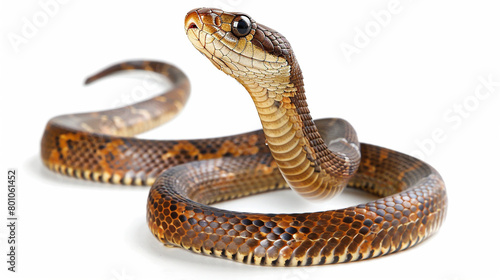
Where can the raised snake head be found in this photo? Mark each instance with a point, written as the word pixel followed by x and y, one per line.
pixel 244 49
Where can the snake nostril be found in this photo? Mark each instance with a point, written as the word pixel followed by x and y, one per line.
pixel 192 20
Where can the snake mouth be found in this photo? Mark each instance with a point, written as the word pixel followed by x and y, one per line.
pixel 193 26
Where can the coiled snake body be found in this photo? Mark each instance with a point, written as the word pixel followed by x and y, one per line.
pixel 316 159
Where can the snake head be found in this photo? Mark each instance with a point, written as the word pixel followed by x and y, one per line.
pixel 237 45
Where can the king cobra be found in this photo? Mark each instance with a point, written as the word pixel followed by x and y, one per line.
pixel 317 159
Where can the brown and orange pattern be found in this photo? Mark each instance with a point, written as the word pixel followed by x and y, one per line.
pixel 315 158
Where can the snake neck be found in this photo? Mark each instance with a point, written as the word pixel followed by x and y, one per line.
pixel 292 136
pixel 262 60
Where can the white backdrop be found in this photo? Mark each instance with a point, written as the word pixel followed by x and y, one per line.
pixel 418 76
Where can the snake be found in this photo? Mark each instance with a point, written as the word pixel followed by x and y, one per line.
pixel 317 159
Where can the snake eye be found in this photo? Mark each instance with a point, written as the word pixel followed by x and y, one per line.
pixel 241 26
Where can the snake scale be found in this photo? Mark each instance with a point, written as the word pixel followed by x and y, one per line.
pixel 317 159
